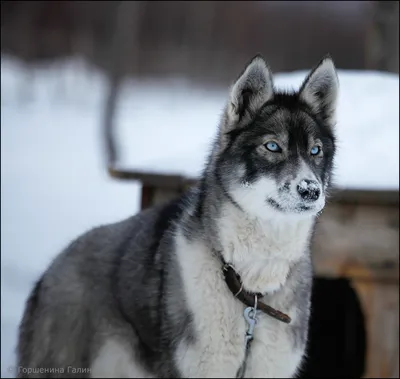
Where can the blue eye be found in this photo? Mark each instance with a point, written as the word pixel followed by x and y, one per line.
pixel 273 146
pixel 315 150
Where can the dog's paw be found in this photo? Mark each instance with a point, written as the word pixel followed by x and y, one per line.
pixel 265 277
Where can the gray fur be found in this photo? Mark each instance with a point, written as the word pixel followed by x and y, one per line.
pixel 124 280
pixel 108 282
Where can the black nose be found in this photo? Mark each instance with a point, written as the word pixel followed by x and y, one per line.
pixel 308 190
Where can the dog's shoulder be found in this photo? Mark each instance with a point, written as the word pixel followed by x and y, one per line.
pixel 139 231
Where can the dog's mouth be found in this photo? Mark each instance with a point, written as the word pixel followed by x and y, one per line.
pixel 295 208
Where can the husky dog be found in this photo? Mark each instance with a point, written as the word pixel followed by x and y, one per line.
pixel 215 284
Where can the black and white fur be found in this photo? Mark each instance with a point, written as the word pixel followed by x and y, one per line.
pixel 146 297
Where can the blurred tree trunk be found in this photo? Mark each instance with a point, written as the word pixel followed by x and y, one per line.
pixel 383 41
pixel 123 50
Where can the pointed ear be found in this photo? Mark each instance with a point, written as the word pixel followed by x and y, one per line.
pixel 250 91
pixel 320 90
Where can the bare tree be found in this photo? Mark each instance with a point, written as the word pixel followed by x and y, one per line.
pixel 383 42
pixel 123 51
pixel 124 41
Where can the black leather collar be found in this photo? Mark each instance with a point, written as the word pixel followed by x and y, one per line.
pixel 235 285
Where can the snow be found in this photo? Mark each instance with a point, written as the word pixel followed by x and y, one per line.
pixel 53 180
pixel 53 187
pixel 303 185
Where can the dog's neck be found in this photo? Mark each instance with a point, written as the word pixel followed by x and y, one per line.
pixel 261 251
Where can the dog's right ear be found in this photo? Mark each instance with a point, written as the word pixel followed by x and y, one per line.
pixel 250 91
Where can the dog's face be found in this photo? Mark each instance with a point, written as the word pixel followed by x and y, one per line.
pixel 277 149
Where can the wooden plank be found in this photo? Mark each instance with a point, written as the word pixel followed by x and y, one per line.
pixel 162 196
pixel 364 197
pixel 152 195
pixel 177 181
pixel 173 181
pixel 380 304
pixel 147 199
pixel 357 241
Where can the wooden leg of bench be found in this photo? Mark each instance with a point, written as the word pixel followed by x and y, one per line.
pixel 147 196
pixel 156 195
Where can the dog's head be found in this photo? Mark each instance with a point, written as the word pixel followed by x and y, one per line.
pixel 276 149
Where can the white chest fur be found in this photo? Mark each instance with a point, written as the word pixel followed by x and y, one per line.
pixel 262 254
pixel 262 250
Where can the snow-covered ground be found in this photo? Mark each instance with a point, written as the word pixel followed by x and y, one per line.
pixel 53 180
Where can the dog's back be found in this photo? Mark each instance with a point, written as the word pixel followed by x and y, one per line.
pixel 80 302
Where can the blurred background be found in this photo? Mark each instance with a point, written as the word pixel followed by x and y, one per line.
pixel 108 107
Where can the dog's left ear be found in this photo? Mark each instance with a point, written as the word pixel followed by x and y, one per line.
pixel 320 90
pixel 250 91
